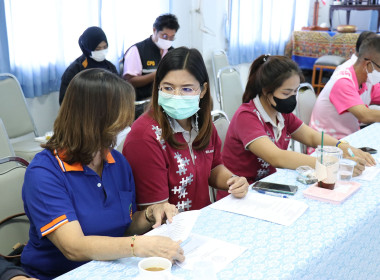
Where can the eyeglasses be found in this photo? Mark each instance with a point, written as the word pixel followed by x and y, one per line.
pixel 167 37
pixel 377 65
pixel 182 90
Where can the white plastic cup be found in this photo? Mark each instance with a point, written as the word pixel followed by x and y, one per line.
pixel 147 263
pixel 346 169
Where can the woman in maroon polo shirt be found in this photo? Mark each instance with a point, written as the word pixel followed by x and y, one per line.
pixel 259 133
pixel 174 149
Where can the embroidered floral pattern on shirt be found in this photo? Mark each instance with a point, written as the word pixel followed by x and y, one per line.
pixel 158 132
pixel 263 170
pixel 182 205
pixel 181 189
pixel 181 164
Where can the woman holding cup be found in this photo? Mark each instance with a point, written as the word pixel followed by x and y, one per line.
pixel 260 131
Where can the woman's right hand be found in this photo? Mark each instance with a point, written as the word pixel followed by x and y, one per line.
pixel 360 165
pixel 158 246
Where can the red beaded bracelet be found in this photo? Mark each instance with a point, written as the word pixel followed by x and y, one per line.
pixel 133 245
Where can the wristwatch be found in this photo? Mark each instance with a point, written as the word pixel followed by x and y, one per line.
pixel 341 142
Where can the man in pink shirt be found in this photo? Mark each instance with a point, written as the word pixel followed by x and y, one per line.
pixel 141 60
pixel 343 102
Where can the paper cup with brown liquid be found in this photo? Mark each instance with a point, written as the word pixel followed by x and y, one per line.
pixel 327 166
pixel 155 268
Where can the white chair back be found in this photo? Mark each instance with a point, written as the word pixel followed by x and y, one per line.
pixel 219 61
pixel 221 122
pixel 121 139
pixel 231 90
pixel 6 149
pixel 13 108
pixel 17 119
pixel 11 181
pixel 305 104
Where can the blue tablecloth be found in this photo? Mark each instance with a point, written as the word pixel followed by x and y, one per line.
pixel 327 242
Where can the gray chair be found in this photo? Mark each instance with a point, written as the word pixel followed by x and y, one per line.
pixel 6 149
pixel 326 62
pixel 230 90
pixel 17 119
pixel 305 104
pixel 15 230
pixel 219 61
pixel 221 122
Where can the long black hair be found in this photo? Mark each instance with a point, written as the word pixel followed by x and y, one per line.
pixel 267 73
pixel 190 60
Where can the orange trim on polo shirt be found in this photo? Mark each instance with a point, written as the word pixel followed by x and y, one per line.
pixel 110 158
pixel 85 63
pixel 76 166
pixel 53 225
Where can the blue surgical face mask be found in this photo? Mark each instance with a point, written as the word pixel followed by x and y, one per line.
pixel 179 107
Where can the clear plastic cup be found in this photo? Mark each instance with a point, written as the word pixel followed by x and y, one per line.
pixel 327 166
pixel 346 169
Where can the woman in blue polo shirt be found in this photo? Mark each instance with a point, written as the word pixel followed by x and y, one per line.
pixel 79 193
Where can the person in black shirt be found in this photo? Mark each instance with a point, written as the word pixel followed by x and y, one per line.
pixel 141 60
pixel 94 45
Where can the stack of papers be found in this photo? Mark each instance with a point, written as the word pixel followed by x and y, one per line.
pixel 180 228
pixel 197 247
pixel 369 173
pixel 278 210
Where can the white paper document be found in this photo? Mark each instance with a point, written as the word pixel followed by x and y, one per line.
pixel 369 173
pixel 201 248
pixel 180 228
pixel 278 210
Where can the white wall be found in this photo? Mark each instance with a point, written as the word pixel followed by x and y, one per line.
pixel 44 109
pixel 202 27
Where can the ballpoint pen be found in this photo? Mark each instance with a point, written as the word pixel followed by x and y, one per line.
pixel 272 193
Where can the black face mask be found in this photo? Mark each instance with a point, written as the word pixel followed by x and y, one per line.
pixel 286 105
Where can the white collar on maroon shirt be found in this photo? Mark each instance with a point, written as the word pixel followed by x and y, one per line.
pixel 277 128
pixel 177 128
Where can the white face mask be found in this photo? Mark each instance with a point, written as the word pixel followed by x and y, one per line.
pixel 164 44
pixel 99 55
pixel 374 76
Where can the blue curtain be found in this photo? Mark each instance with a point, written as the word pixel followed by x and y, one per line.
pixel 259 27
pixel 4 53
pixel 41 37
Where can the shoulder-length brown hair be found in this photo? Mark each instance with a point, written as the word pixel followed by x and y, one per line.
pixel 97 106
pixel 191 60
pixel 267 73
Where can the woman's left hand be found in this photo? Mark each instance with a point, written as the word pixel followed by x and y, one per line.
pixel 161 212
pixel 238 186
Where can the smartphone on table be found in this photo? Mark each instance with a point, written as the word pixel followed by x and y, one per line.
pixel 274 187
pixel 368 150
